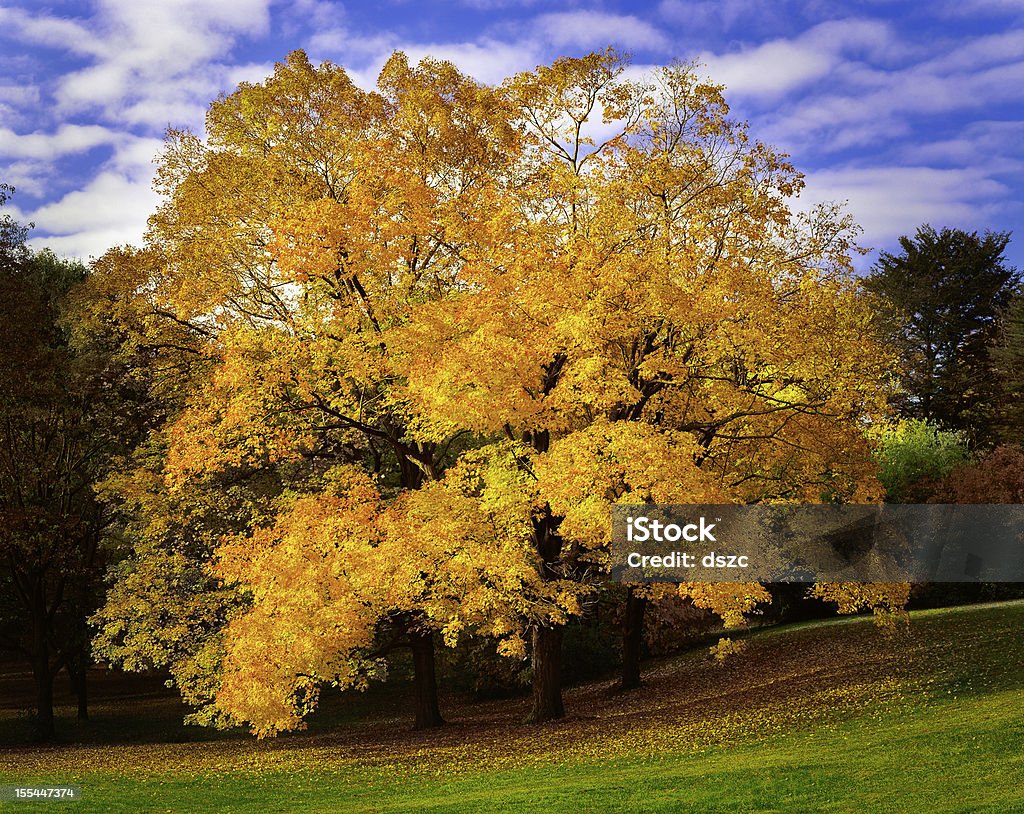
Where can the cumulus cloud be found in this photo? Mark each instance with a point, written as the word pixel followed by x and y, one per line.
pixel 779 66
pixel 110 210
pixel 67 139
pixel 148 62
pixel 595 29
pixel 888 201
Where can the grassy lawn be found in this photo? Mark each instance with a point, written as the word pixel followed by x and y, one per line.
pixel 832 717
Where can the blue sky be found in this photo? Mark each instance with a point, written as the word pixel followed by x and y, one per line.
pixel 911 111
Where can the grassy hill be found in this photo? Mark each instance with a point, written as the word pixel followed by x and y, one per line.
pixel 830 716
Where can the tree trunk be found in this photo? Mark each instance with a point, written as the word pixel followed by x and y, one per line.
pixel 80 687
pixel 428 712
pixel 44 699
pixel 547 675
pixel 632 639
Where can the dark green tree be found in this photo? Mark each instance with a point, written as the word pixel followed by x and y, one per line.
pixel 1007 356
pixel 59 428
pixel 942 295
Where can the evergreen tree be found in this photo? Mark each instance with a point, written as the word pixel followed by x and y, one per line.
pixel 944 292
pixel 1007 357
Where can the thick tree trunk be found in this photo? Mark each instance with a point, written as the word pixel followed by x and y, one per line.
pixel 428 712
pixel 547 675
pixel 80 686
pixel 632 639
pixel 44 700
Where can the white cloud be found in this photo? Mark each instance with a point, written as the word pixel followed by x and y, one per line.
pixel 53 32
pixel 21 95
pixel 992 144
pixel 994 49
pixel 68 139
pixel 888 201
pixel 768 69
pixel 151 61
pixel 779 66
pixel 488 61
pixel 969 8
pixel 252 72
pixel 28 177
pixel 136 156
pixel 87 244
pixel 493 5
pixel 317 13
pixel 595 29
pixel 857 104
pixel 112 209
pixel 720 14
pixel 353 49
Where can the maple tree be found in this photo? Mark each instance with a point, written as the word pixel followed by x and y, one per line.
pixel 996 477
pixel 653 321
pixel 313 218
pixel 444 328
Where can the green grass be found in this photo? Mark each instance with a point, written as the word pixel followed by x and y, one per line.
pixel 820 718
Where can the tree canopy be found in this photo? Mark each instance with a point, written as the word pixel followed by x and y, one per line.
pixel 442 328
pixel 945 291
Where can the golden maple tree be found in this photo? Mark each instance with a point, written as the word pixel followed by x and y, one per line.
pixel 458 323
pixel 650 317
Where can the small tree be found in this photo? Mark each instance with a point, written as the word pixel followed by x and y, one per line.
pixel 913 456
pixel 997 477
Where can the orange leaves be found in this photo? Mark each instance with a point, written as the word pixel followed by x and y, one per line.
pixel 318 584
pixel 241 418
pixel 729 600
pixel 333 564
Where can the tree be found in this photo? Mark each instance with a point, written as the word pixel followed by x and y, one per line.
pixel 997 477
pixel 944 292
pixel 1007 359
pixel 651 322
pixel 58 429
pixel 453 329
pixel 914 456
pixel 310 222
